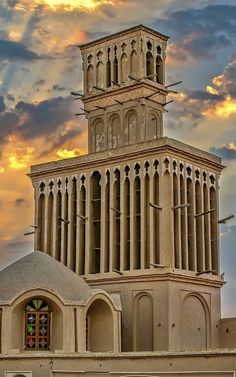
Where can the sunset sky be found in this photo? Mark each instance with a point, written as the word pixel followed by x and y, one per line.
pixel 40 64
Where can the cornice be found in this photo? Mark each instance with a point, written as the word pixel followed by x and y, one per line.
pixel 124 154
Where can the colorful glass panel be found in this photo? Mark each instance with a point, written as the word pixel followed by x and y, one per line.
pixel 37 325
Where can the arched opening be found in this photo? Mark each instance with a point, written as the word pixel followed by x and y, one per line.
pixel 37 325
pixel 41 222
pixel 183 224
pixel 116 219
pixel 100 327
pixel 108 74
pixel 100 75
pixel 124 68
pixel 194 326
pixel 206 228
pixel 115 70
pixel 116 131
pixel 199 240
pixel 159 70
pixel 82 225
pixel 147 220
pixel 137 223
pixel 58 225
pixel 73 224
pixel 214 230
pixel 153 127
pixel 107 222
pixel 50 224
pixel 156 218
pixel 144 323
pixel 190 217
pixel 132 127
pixel 127 224
pixel 150 66
pixel 99 136
pixel 176 221
pixel 96 222
pixel 134 64
pixel 90 78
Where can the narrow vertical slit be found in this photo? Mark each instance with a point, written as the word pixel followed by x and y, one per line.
pixel 82 223
pixel 147 220
pixel 41 222
pixel 127 224
pixel 107 222
pixel 206 228
pixel 65 224
pixel 116 192
pixel 96 223
pixel 190 225
pixel 73 224
pixel 176 222
pixel 183 225
pixel 156 216
pixel 198 206
pixel 137 219
pixel 213 217
pixel 50 224
pixel 58 225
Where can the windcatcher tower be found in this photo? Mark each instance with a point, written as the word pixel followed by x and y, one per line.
pixel 124 84
pixel 138 215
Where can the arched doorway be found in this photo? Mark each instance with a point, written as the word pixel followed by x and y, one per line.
pixel 100 328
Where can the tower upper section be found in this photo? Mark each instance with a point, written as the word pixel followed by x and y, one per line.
pixel 124 86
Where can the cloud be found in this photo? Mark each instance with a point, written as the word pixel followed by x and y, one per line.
pixel 227 152
pixel 39 83
pixel 15 50
pixel 199 33
pixel 2 105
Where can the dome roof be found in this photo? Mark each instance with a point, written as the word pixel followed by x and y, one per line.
pixel 40 271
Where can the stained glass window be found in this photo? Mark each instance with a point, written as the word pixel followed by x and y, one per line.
pixel 37 325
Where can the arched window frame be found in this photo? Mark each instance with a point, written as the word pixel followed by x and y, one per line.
pixel 37 325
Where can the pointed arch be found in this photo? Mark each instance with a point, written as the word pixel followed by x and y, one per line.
pixel 90 78
pixel 143 333
pixel 124 68
pixel 100 75
pixel 159 70
pixel 134 64
pixel 149 66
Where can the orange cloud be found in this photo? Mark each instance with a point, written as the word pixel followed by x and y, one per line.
pixel 66 5
pixel 66 153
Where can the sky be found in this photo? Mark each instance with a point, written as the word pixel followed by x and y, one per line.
pixel 40 64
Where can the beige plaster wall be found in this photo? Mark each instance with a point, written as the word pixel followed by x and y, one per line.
pixel 228 333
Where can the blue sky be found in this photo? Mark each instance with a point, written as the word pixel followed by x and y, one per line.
pixel 40 64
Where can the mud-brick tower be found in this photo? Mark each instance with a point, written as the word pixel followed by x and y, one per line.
pixel 138 215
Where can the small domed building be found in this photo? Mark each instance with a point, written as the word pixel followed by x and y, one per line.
pixel 127 280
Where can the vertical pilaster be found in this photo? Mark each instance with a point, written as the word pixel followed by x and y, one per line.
pixel 112 223
pixel 46 219
pixel 122 218
pixel 152 229
pixel 70 225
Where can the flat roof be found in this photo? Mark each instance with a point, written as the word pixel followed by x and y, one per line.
pixel 122 32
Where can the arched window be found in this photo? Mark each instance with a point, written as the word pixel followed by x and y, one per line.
pixel 159 70
pixel 37 325
pixel 124 68
pixel 90 78
pixel 134 64
pixel 100 75
pixel 150 66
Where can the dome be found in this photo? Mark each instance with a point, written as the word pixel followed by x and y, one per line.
pixel 40 271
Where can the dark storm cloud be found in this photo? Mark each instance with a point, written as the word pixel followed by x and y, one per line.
pixel 229 79
pixel 59 88
pixel 200 33
pixel 15 50
pixel 2 105
pixel 30 121
pixel 43 118
pixel 225 152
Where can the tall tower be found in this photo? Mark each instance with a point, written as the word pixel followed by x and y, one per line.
pixel 124 85
pixel 138 215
